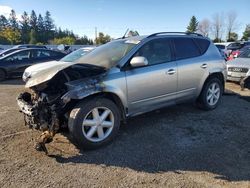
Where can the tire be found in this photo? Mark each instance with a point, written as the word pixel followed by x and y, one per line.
pixel 2 75
pixel 211 94
pixel 86 126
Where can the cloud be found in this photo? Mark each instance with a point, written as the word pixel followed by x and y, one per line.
pixel 5 10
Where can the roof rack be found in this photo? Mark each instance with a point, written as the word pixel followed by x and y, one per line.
pixel 179 33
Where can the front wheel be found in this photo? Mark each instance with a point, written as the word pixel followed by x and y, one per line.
pixel 211 94
pixel 94 123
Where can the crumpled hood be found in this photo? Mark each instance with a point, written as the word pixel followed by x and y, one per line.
pixel 43 72
pixel 239 62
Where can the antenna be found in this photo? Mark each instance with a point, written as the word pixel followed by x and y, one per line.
pixel 125 33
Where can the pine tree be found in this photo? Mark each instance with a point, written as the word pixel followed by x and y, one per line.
pixel 48 26
pixel 40 29
pixel 3 22
pixel 13 20
pixel 246 33
pixel 33 20
pixel 25 27
pixel 193 25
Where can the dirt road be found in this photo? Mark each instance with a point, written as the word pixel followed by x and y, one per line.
pixel 180 146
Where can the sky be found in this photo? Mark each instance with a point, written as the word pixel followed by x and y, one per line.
pixel 113 17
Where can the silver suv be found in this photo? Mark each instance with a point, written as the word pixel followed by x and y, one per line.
pixel 121 79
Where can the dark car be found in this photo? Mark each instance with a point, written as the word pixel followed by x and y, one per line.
pixel 234 46
pixel 30 46
pixel 8 51
pixel 18 47
pixel 14 64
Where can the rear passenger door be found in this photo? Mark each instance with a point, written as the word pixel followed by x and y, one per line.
pixel 43 55
pixel 40 55
pixel 191 66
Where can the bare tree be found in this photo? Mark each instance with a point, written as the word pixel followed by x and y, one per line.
pixel 231 24
pixel 218 26
pixel 204 27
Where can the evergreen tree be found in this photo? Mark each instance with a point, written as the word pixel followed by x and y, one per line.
pixel 193 25
pixel 33 29
pixel 3 22
pixel 33 20
pixel 13 20
pixel 246 33
pixel 25 27
pixel 40 29
pixel 48 26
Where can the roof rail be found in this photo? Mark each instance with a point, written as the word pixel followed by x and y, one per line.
pixel 179 33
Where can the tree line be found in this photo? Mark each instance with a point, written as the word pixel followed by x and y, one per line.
pixel 33 29
pixel 220 28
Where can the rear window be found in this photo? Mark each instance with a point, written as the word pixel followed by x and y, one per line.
pixel 203 44
pixel 222 47
pixel 185 48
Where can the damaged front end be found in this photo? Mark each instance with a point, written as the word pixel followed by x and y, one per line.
pixel 47 105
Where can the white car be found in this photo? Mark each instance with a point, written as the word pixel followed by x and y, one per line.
pixel 237 69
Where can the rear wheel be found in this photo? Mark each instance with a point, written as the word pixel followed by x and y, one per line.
pixel 211 94
pixel 94 123
pixel 2 75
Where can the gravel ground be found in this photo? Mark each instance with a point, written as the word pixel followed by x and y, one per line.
pixel 180 146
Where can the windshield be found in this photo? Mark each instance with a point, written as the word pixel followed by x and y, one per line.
pixel 75 55
pixel 108 55
pixel 245 54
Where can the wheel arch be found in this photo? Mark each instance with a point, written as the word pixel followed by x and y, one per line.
pixel 108 95
pixel 218 75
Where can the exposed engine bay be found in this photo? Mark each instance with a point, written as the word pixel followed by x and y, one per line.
pixel 46 106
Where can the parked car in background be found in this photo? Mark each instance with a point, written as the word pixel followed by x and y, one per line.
pixel 236 53
pixel 245 43
pixel 18 47
pixel 121 79
pixel 234 46
pixel 244 49
pixel 14 64
pixel 223 48
pixel 239 67
pixel 8 51
pixel 29 46
pixel 55 66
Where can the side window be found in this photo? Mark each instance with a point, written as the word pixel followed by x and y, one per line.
pixel 40 54
pixel 21 56
pixel 156 51
pixel 185 48
pixel 204 44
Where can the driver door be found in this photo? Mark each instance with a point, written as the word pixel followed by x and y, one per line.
pixel 155 85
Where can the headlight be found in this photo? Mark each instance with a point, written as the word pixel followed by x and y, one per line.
pixel 26 76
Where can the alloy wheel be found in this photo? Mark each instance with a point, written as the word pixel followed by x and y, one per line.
pixel 98 124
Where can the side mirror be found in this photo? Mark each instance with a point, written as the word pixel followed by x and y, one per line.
pixel 139 61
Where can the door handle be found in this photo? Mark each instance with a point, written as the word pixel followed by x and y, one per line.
pixel 204 66
pixel 170 71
